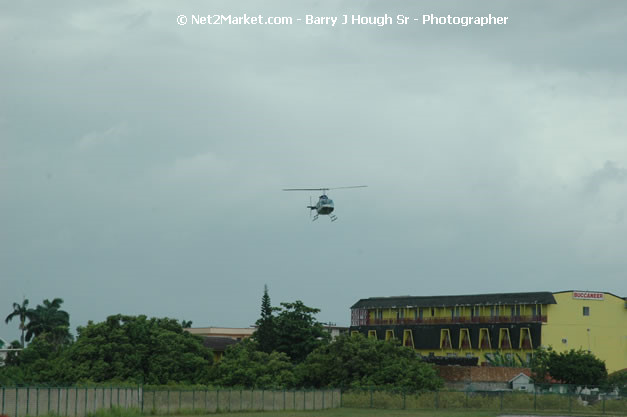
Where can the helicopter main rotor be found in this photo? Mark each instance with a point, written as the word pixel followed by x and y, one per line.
pixel 324 190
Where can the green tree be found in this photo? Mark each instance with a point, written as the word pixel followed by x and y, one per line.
pixel 266 334
pixel 575 367
pixel 617 380
pixel 244 365
pixel 22 312
pixel 130 348
pixel 356 361
pixel 50 321
pixel 298 333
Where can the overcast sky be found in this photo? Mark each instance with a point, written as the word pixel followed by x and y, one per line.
pixel 142 161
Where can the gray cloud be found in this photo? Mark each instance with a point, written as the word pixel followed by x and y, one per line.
pixel 141 162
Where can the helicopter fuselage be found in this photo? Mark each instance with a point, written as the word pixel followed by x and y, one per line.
pixel 324 205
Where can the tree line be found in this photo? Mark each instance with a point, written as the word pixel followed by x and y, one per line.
pixel 289 349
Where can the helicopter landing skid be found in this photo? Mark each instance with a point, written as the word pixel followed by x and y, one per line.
pixel 314 218
pixel 333 217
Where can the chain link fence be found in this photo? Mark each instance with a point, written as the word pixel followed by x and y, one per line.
pixel 79 402
pixel 571 402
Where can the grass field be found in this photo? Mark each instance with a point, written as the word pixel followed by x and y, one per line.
pixel 360 412
pixel 341 412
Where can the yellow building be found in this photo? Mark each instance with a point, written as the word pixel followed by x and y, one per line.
pixel 508 323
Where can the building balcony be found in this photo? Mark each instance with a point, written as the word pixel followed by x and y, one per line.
pixel 456 320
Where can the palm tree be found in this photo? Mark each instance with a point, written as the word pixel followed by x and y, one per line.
pixel 49 319
pixel 23 312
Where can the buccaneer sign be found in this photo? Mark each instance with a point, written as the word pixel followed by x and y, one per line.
pixel 585 295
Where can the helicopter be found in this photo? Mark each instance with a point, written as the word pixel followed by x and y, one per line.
pixel 324 206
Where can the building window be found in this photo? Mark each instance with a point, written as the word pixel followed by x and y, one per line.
pixel 432 312
pixel 484 339
pixel 445 339
pixel 420 313
pixel 586 311
pixel 464 339
pixel 408 338
pixel 504 339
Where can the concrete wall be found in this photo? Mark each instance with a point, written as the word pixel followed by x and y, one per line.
pixel 71 402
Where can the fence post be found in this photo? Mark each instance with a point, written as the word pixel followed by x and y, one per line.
pixel 67 400
pixel 240 400
pixel 604 404
pixel 371 397
pixel 501 406
pixel 263 400
pixel 466 405
pixel 206 400
pixel 341 403
pixel 86 397
pixel 37 405
pixel 404 400
pixel 154 401
pixel 95 398
pixel 180 399
pixel 314 399
pixel 3 399
pixel 193 399
pixel 437 400
pixel 75 401
pixel 535 399
pixel 27 398
pixel 168 400
pixel 570 402
pixel 284 405
pixel 48 400
pixel 304 402
pixel 217 400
